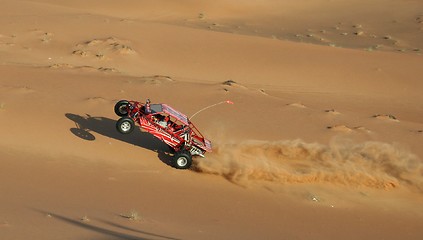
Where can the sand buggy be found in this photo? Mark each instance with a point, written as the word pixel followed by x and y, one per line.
pixel 168 125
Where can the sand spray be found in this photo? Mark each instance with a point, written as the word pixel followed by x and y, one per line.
pixel 342 162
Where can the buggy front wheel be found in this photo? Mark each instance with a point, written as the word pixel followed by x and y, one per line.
pixel 125 125
pixel 182 160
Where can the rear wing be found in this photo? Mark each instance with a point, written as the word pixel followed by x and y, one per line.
pixel 208 145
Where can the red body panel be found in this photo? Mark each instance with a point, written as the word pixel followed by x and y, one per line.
pixel 159 132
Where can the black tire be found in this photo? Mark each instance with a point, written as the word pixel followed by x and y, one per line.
pixel 121 108
pixel 125 125
pixel 182 160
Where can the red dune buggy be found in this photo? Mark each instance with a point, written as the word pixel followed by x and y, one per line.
pixel 168 125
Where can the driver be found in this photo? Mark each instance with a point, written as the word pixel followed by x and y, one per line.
pixel 163 121
pixel 147 109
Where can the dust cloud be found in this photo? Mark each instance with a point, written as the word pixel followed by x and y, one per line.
pixel 342 162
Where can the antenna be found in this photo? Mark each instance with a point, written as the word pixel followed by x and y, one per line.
pixel 213 105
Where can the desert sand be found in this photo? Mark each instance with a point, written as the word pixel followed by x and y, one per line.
pixel 323 141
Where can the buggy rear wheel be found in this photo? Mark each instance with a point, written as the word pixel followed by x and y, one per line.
pixel 125 125
pixel 121 108
pixel 182 160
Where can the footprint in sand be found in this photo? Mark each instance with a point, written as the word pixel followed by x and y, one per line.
pixel 332 111
pixel 46 37
pixel 43 36
pixel 419 19
pixel 32 37
pixel 340 128
pixel 232 84
pixel 80 53
pixel 107 70
pixel 262 91
pixel 386 117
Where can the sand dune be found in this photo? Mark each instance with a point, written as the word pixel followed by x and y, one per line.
pixel 322 141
